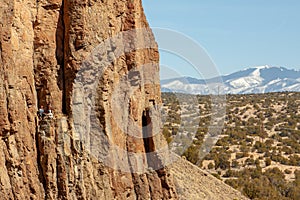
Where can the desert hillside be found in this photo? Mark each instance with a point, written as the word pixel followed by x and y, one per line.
pixel 258 151
pixel 193 183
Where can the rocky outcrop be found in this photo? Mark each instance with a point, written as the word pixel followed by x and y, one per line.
pixel 48 53
pixel 95 65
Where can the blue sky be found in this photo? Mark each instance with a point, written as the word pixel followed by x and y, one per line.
pixel 236 34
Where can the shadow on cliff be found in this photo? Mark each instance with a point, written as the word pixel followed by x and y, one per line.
pixel 60 57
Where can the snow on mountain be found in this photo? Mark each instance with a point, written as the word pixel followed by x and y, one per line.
pixel 260 79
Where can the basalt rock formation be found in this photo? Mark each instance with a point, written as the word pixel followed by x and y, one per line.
pixel 50 57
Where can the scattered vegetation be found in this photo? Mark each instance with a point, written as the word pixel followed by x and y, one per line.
pixel 258 151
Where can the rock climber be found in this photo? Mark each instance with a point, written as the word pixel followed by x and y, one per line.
pixel 49 109
pixel 50 114
pixel 41 112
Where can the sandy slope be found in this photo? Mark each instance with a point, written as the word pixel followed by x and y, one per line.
pixel 193 183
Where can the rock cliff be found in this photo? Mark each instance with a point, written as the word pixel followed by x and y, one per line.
pixel 94 64
pixel 50 56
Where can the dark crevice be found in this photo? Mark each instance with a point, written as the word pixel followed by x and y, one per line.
pixel 58 175
pixel 147 130
pixel 152 158
pixel 148 139
pixel 38 88
pixel 1 56
pixel 51 7
pixel 62 188
pixel 9 117
pixel 40 167
pixel 60 56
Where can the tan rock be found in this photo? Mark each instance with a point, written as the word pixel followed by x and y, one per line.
pixel 43 46
pixel 81 60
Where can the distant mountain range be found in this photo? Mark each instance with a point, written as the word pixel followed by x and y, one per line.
pixel 260 79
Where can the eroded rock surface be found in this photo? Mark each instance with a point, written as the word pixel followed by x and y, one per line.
pixel 95 64
pixel 47 49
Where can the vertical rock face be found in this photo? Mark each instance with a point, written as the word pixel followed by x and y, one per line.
pixel 51 56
